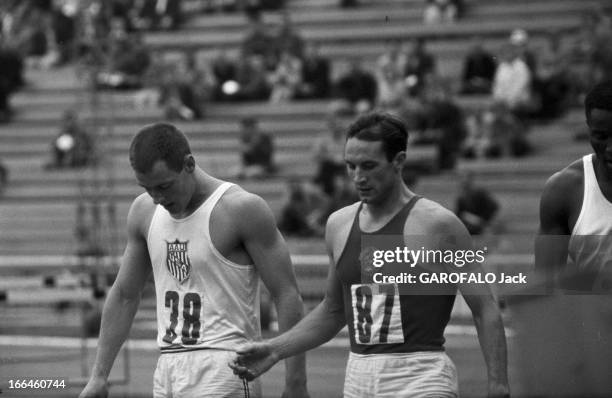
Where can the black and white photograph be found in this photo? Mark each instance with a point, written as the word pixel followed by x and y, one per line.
pixel 306 198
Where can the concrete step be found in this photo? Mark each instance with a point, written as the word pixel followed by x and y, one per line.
pixel 371 32
pixel 404 12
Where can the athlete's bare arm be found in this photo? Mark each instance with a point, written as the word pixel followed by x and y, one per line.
pixel 123 297
pixel 268 250
pixel 560 201
pixel 430 219
pixel 319 326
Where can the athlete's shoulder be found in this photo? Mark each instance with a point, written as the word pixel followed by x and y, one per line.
pixel 343 216
pixel 568 176
pixel 430 217
pixel 141 213
pixel 565 183
pixel 244 211
pixel 241 201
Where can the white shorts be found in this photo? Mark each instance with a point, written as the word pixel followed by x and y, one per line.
pixel 200 373
pixel 416 375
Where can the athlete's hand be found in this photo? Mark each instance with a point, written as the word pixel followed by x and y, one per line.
pixel 253 360
pixel 96 388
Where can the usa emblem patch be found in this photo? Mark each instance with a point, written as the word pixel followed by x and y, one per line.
pixel 177 260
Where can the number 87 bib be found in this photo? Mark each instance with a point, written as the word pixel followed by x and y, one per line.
pixel 377 318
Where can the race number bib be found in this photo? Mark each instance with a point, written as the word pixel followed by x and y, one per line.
pixel 184 317
pixel 377 318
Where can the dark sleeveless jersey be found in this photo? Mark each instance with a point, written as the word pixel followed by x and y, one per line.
pixel 380 320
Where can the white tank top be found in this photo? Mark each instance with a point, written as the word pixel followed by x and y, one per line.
pixel 203 299
pixel 590 245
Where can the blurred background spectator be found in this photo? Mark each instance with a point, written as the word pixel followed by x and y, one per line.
pixel 495 132
pixel 288 39
pixel 129 59
pixel 445 124
pixel 512 82
pixel 315 80
pixel 187 87
pixel 256 150
pixel 328 153
pixel 441 11
pixel 73 146
pixel 420 65
pixel 356 89
pixel 301 211
pixel 155 14
pixel 475 206
pixel 259 40
pixel 286 78
pixel 478 69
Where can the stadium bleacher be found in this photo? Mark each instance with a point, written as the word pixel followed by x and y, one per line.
pixel 38 210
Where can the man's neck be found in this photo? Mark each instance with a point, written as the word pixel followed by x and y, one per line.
pixel 205 185
pixel 394 202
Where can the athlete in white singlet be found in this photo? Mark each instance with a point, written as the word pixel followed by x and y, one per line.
pixel 576 205
pixel 206 242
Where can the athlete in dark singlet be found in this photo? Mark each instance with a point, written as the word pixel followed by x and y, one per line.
pixel 396 339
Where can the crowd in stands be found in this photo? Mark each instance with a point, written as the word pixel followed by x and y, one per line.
pixel 521 82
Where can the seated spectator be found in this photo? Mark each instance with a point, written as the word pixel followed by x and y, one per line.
pixel 11 79
pixel 300 214
pixel 315 82
pixel 288 39
pixel 257 151
pixel 494 133
pixel 441 11
pixel 475 206
pixel 392 91
pixel 420 65
pixel 392 59
pixel 328 153
pixel 286 78
pixel 36 40
pixel 390 78
pixel 259 41
pixel 64 31
pixel 478 70
pixel 551 85
pixel 130 59
pixel 224 69
pixel 512 82
pixel 73 147
pixel 356 89
pixel 153 14
pixel 519 40
pixel 251 82
pixel 186 90
pixel 445 123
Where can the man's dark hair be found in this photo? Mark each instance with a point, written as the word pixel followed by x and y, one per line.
pixel 599 97
pixel 159 141
pixel 379 126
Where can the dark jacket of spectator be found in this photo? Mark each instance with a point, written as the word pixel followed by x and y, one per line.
pixel 475 206
pixel 257 146
pixel 419 64
pixel 315 76
pixel 478 71
pixel 357 85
